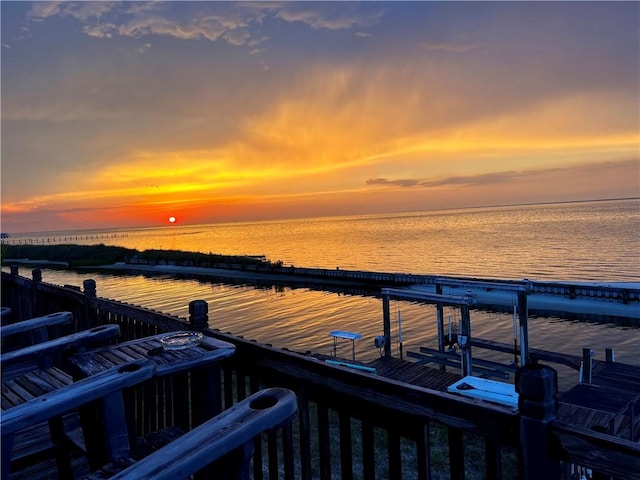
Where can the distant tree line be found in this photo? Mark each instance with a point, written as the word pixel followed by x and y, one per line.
pixel 93 255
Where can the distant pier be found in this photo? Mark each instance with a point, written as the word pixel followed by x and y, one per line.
pixel 57 240
pixel 596 300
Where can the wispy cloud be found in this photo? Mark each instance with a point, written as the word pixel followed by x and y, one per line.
pixel 104 30
pixel 325 15
pixel 448 47
pixel 232 22
pixel 396 183
pixel 592 169
pixel 484 179
pixel 463 180
pixel 82 11
pixel 144 48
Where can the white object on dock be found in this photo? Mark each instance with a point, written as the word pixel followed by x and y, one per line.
pixel 490 390
pixel 353 336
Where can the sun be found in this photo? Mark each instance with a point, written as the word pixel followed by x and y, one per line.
pixel 172 219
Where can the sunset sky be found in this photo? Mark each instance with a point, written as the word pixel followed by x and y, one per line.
pixel 118 114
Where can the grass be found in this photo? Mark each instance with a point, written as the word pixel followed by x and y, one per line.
pixel 474 451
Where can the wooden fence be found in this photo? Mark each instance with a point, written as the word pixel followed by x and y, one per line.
pixel 352 424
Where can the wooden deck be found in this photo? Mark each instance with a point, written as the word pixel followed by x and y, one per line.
pixel 414 373
pixel 609 404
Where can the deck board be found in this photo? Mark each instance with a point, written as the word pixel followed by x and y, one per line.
pixel 414 373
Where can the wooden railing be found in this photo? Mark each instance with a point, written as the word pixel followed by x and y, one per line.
pixel 350 424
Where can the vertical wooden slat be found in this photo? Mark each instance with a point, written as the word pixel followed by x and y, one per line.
pixel 168 401
pixel 368 451
pixel 162 403
pixel 493 459
pixel 138 407
pixel 324 442
pixel 241 385
pixel 423 452
pixel 227 375
pixel 180 402
pixel 254 386
pixel 287 451
pixel 272 454
pixel 346 451
pixel 393 447
pixel 63 462
pixel 305 432
pixel 456 454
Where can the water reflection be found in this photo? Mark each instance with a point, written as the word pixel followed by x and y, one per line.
pixel 300 318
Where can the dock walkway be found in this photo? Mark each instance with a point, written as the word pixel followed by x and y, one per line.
pixel 414 373
pixel 609 404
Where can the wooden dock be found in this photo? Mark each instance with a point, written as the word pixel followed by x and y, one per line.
pixel 609 404
pixel 608 401
pixel 414 373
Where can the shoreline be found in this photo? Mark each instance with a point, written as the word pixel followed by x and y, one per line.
pixel 609 310
pixel 485 296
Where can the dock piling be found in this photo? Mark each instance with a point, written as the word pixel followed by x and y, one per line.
pixel 537 388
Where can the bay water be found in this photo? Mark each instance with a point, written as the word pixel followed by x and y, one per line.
pixel 586 241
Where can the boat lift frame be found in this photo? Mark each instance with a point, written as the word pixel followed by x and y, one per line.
pixel 464 302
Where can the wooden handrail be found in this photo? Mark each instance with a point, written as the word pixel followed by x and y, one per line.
pixel 217 437
pixel 73 341
pixel 51 320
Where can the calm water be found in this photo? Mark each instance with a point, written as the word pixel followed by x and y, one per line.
pixel 577 241
pixel 594 241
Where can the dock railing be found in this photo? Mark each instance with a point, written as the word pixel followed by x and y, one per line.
pixel 350 424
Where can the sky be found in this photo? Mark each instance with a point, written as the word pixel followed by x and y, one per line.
pixel 124 114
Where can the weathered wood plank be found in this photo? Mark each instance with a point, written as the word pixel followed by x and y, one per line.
pixel 75 340
pixel 217 437
pixel 51 320
pixel 605 454
pixel 54 404
pixel 79 393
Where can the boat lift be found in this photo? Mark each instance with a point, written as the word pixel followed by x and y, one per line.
pixel 464 302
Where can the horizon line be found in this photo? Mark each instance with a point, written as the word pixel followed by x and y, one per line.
pixel 147 227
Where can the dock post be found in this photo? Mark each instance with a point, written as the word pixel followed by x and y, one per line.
pixel 464 340
pixel 440 318
pixel 34 305
pixel 198 315
pixel 16 303
pixel 386 325
pixel 90 292
pixel 587 361
pixel 537 388
pixel 523 316
pixel 610 355
pixel 440 322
